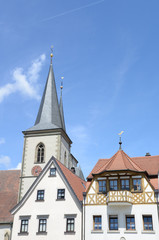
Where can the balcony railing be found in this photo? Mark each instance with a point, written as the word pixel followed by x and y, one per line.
pixel 119 197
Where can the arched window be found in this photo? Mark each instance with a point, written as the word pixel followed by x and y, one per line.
pixel 6 236
pixel 40 153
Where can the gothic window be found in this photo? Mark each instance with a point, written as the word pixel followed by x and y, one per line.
pixel 40 153
pixel 65 158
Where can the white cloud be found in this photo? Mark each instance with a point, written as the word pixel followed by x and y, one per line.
pixel 5 161
pixel 2 141
pixel 25 83
pixel 18 167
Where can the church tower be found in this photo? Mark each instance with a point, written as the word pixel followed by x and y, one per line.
pixel 46 138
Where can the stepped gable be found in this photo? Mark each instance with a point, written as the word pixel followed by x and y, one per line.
pixel 77 184
pixel 9 186
pixel 149 163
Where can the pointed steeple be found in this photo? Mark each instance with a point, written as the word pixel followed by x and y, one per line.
pixel 61 107
pixel 49 116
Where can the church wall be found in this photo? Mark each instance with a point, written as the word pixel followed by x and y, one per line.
pixel 52 148
pixel 55 209
pixel 65 149
pixel 4 229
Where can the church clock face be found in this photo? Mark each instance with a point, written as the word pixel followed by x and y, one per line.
pixel 36 170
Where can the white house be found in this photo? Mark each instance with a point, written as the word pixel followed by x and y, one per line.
pixel 120 201
pixel 52 207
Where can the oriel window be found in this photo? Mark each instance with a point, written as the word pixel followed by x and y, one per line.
pixel 102 186
pixel 137 184
pixel 113 185
pixel 125 185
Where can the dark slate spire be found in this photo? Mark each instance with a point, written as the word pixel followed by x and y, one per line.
pixel 61 107
pixel 49 116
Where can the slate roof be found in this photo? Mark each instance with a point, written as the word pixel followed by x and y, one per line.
pixel 9 187
pixel 49 116
pixel 77 184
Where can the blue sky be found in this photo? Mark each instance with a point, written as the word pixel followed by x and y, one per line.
pixel 108 53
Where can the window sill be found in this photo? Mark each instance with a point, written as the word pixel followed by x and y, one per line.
pixel 70 233
pixel 60 199
pixel 23 234
pixel 39 200
pixel 97 231
pixel 52 176
pixel 130 231
pixel 41 233
pixel 148 231
pixel 113 231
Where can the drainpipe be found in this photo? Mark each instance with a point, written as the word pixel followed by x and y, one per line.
pixel 11 227
pixel 84 200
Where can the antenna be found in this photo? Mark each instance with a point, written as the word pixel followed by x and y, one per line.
pixel 120 142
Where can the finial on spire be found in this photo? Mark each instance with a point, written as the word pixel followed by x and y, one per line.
pixel 61 84
pixel 51 55
pixel 120 142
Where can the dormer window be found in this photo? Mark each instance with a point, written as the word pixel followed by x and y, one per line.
pixel 40 153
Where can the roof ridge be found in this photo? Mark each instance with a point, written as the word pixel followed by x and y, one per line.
pixel 132 162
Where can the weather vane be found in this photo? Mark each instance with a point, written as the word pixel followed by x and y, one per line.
pixel 120 142
pixel 51 52
pixel 61 84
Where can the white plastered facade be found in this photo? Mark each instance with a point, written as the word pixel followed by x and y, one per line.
pixel 55 210
pixel 143 205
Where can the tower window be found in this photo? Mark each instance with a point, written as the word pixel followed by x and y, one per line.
pixel 40 153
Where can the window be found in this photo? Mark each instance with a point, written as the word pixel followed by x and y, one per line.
pixel 42 225
pixel 52 171
pixel 125 184
pixel 137 184
pixel 24 226
pixel 147 220
pixel 113 222
pixel 102 186
pixel 40 195
pixel 40 153
pixel 61 194
pixel 130 223
pixel 113 184
pixel 97 223
pixel 70 225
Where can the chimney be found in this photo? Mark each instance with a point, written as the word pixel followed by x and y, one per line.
pixel 73 170
pixel 147 154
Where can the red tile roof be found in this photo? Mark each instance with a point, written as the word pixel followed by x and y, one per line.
pixel 148 163
pixel 119 161
pixel 154 182
pixel 9 187
pixel 77 184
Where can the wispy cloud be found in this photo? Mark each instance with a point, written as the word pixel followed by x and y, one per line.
pixel 25 83
pixel 72 11
pixel 2 141
pixel 5 161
